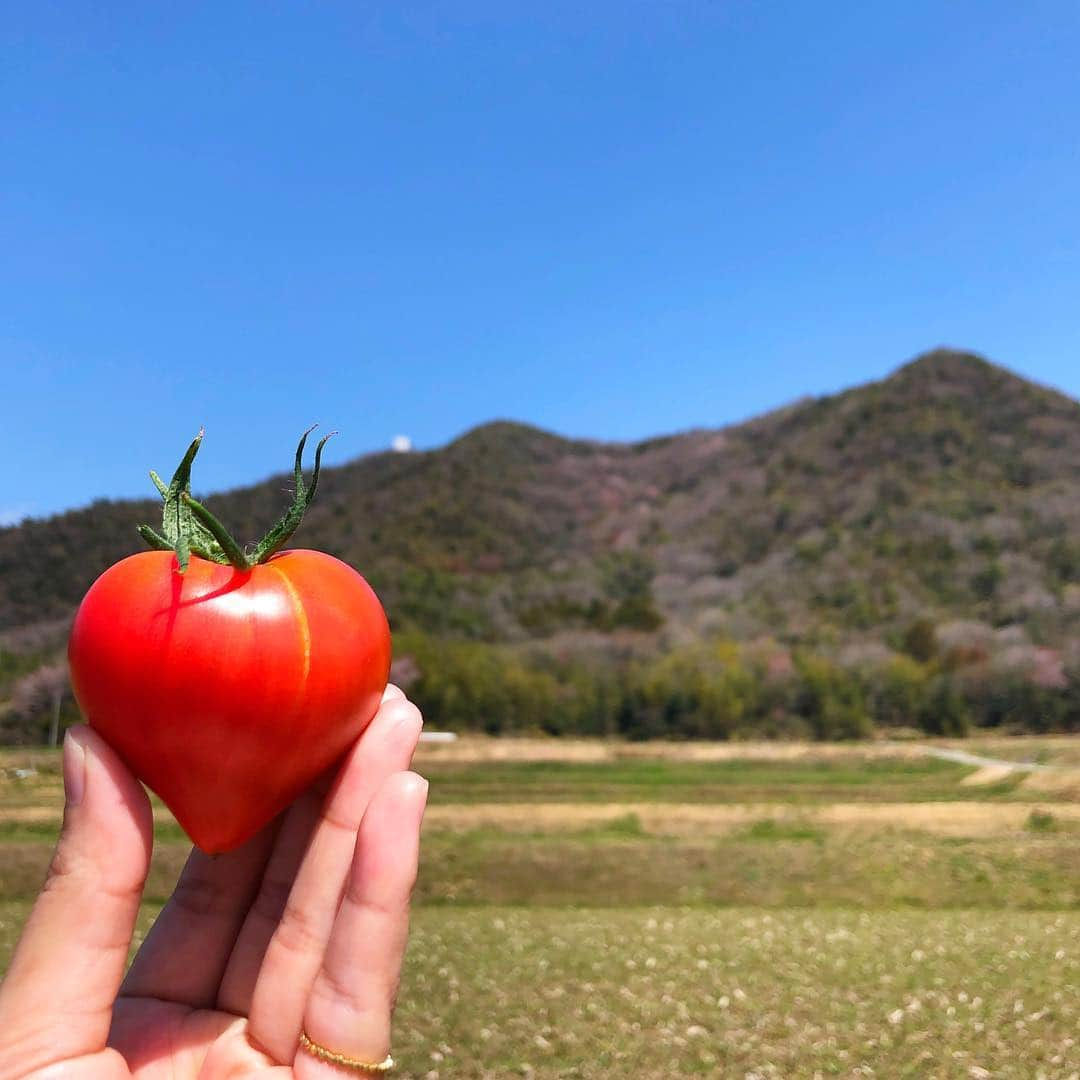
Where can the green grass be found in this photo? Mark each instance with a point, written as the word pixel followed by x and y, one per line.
pixel 740 781
pixel 774 865
pixel 667 992
pixel 823 780
pixel 788 946
pixel 664 992
pixel 769 830
pixel 1042 821
pixel 770 863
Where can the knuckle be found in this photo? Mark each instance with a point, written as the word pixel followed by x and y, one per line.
pixel 272 899
pixel 198 895
pixel 395 988
pixel 401 711
pixel 62 868
pixel 342 819
pixel 388 906
pixel 72 869
pixel 367 998
pixel 299 932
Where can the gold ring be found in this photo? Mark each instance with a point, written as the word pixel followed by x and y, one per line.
pixel 343 1060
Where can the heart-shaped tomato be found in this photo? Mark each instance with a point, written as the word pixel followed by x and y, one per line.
pixel 228 679
pixel 226 690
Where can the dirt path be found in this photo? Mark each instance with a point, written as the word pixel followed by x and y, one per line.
pixel 963 757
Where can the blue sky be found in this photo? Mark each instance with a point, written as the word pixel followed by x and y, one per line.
pixel 609 219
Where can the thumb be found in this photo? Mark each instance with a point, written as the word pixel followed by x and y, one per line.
pixel 57 999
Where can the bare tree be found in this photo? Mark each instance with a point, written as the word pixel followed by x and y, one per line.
pixel 41 693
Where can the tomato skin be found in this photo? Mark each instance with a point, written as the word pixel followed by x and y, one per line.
pixel 228 692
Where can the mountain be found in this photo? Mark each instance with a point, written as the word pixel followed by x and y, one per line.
pixel 948 492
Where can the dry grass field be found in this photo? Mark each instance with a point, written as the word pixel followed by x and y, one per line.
pixel 1056 750
pixel 599 910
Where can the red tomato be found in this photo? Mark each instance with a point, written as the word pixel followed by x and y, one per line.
pixel 229 691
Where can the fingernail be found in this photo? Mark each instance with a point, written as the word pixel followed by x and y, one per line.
pixel 74 769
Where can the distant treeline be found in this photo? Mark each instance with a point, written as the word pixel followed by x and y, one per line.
pixel 724 690
pixel 711 689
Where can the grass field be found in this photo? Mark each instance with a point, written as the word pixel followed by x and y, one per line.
pixel 589 910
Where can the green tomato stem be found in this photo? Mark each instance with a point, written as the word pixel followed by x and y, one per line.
pixel 225 541
pixel 189 528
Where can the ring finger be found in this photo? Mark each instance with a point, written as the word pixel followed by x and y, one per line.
pixel 352 999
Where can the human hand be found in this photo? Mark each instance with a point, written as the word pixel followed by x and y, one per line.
pixel 301 929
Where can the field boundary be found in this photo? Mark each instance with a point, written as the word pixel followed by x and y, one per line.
pixel 694 819
pixel 946 818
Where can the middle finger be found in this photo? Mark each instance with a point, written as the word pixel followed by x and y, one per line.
pixel 281 946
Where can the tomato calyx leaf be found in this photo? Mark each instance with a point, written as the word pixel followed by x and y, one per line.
pixel 189 528
pixel 277 537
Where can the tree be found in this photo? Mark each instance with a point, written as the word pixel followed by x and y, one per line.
pixel 944 711
pixel 920 641
pixel 36 699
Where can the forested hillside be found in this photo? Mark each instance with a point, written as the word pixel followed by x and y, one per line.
pixel 925 528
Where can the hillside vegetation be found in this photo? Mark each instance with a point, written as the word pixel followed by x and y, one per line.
pixel 906 552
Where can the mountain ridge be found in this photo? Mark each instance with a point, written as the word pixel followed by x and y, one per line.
pixel 949 489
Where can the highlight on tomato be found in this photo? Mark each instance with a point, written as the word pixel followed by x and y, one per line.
pixel 228 679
